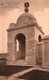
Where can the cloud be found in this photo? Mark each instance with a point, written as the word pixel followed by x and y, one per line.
pixel 35 5
pixel 10 17
pixel 43 19
pixel 6 6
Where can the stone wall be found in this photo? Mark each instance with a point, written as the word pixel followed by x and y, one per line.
pixel 29 34
pixel 44 53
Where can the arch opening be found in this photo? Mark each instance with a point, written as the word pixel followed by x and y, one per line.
pixel 39 38
pixel 20 46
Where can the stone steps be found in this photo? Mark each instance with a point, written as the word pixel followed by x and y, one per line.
pixel 20 62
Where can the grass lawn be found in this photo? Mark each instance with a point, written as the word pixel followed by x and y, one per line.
pixel 7 70
pixel 36 75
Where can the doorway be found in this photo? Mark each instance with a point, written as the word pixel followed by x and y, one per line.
pixel 39 54
pixel 20 46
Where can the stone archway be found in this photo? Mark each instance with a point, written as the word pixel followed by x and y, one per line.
pixel 20 46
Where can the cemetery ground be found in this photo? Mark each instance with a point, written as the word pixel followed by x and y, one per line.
pixel 7 70
pixel 32 74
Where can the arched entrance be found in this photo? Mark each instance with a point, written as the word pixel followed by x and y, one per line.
pixel 20 46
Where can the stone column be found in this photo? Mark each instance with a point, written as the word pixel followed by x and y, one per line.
pixel 30 52
pixel 11 53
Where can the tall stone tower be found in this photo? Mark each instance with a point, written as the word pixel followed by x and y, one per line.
pixel 22 38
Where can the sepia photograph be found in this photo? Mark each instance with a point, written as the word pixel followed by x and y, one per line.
pixel 24 39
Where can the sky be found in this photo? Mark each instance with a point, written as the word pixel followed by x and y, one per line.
pixel 10 10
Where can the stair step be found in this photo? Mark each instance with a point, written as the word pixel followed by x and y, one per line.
pixel 20 62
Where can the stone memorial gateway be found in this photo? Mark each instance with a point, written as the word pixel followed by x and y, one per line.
pixel 26 42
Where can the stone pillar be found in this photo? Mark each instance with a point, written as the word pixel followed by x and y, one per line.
pixel 11 53
pixel 30 52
